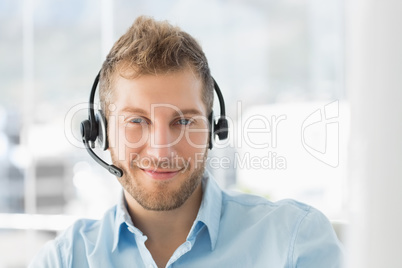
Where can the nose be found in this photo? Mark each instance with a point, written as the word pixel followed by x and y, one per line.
pixel 162 141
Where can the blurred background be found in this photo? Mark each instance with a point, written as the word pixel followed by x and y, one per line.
pixel 272 59
pixel 279 64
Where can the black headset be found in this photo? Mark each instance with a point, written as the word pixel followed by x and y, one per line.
pixel 95 128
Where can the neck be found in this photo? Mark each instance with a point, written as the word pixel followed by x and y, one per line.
pixel 164 225
pixel 166 230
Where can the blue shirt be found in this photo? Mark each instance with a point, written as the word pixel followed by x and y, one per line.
pixel 231 230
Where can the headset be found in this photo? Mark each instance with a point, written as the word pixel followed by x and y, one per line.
pixel 95 128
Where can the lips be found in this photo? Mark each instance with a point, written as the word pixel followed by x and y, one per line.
pixel 160 174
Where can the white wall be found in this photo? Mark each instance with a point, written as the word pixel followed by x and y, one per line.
pixel 374 81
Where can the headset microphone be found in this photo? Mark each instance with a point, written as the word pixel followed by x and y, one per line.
pixel 95 128
pixel 112 168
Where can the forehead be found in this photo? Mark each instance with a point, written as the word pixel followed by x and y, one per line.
pixel 180 89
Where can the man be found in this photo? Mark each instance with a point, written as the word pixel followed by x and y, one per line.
pixel 157 92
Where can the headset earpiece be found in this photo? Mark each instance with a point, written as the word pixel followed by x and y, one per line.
pixel 102 130
pixel 89 132
pixel 211 129
pixel 85 130
pixel 221 128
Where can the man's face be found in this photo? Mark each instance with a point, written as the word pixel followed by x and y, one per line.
pixel 158 136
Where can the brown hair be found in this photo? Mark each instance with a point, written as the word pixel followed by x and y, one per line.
pixel 154 47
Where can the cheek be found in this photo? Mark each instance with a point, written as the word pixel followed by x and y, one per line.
pixel 127 142
pixel 196 141
pixel 133 137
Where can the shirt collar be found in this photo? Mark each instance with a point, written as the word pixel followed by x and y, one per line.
pixel 211 206
pixel 122 217
pixel 209 213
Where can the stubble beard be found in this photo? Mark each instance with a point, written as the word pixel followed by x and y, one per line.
pixel 161 198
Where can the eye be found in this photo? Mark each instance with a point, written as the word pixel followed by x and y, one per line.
pixel 184 122
pixel 138 120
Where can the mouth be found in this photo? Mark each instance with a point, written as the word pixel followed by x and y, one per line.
pixel 161 174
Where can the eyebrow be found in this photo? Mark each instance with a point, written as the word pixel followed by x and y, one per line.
pixel 133 110
pixel 190 111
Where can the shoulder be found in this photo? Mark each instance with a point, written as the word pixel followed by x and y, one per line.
pixel 89 228
pixel 293 229
pixel 289 218
pixel 250 204
pixel 77 240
